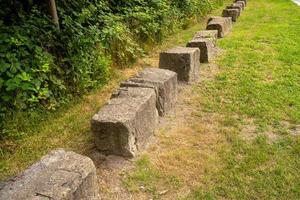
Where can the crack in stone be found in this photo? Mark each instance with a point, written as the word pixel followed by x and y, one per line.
pixel 43 195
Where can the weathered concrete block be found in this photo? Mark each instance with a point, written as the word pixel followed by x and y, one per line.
pixel 126 123
pixel 245 2
pixel 236 6
pixel 222 24
pixel 242 3
pixel 182 60
pixel 213 34
pixel 60 175
pixel 206 46
pixel 163 81
pixel 233 13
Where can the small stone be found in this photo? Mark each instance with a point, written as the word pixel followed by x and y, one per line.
pixel 163 192
pixel 142 188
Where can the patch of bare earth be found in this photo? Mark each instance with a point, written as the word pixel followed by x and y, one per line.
pixel 249 131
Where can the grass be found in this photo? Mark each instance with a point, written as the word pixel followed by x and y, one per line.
pixel 240 137
pixel 147 178
pixel 69 127
pixel 255 170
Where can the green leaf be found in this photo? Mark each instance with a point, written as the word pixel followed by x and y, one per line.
pixel 24 76
pixel 1 83
pixel 3 66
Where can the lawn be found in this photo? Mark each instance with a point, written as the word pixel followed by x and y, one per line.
pixel 242 136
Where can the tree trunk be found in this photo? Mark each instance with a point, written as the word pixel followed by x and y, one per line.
pixel 53 12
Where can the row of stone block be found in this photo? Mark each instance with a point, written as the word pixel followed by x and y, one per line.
pixel 125 125
pixel 185 61
pixel 127 122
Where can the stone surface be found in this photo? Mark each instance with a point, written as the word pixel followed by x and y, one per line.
pixel 222 24
pixel 233 13
pixel 163 81
pixel 182 60
pixel 60 175
pixel 213 34
pixel 206 46
pixel 236 6
pixel 242 3
pixel 245 2
pixel 206 34
pixel 127 122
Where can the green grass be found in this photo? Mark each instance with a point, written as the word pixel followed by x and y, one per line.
pixel 259 80
pixel 256 170
pixel 148 178
pixel 253 104
pixel 262 65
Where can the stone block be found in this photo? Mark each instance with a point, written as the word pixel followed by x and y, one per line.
pixel 213 34
pixel 233 13
pixel 182 60
pixel 206 46
pixel 236 6
pixel 242 3
pixel 127 122
pixel 245 2
pixel 60 175
pixel 222 24
pixel 163 81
